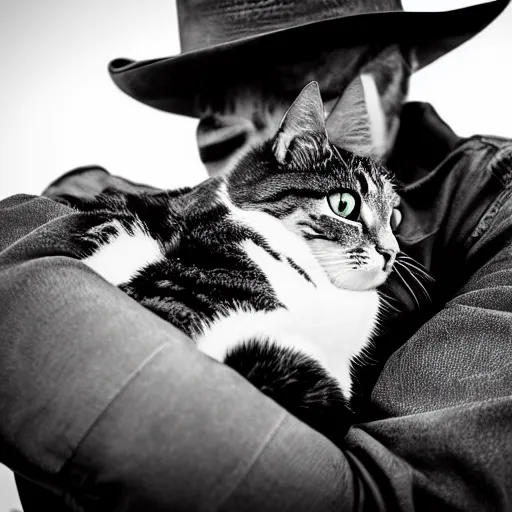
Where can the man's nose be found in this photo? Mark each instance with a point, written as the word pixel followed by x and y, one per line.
pixel 220 137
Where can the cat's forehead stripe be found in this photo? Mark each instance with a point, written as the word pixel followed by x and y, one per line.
pixel 363 182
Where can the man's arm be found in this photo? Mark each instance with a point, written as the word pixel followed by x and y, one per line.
pixel 104 403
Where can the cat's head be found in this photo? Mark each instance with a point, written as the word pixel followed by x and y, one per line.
pixel 334 194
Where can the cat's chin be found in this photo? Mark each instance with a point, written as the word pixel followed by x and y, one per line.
pixel 362 280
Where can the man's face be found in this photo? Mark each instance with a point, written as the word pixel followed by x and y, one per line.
pixel 251 114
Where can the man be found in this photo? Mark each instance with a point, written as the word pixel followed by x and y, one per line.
pixel 106 407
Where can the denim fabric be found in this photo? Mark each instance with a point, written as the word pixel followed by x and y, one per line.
pixel 106 407
pixel 464 353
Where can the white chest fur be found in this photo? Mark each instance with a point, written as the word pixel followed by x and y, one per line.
pixel 328 323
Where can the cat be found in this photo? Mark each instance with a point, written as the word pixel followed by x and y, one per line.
pixel 272 268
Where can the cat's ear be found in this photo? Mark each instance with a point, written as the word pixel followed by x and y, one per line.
pixel 357 121
pixel 306 115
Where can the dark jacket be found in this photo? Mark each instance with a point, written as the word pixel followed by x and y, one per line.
pixel 104 406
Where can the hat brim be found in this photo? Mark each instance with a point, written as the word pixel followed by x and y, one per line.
pixel 172 83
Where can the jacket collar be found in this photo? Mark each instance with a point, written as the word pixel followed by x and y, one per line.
pixel 424 140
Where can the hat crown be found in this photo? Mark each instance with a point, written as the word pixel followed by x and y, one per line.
pixel 205 23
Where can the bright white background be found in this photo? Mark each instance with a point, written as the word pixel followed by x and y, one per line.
pixel 59 108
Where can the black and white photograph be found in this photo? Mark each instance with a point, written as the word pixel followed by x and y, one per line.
pixel 256 255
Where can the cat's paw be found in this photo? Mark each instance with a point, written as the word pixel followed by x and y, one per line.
pixel 295 381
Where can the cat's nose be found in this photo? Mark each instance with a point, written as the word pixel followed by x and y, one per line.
pixel 389 258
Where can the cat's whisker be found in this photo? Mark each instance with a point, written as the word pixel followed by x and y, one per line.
pixel 336 261
pixel 418 282
pixel 414 267
pixel 422 287
pixel 407 260
pixel 385 302
pixel 420 271
pixel 411 291
pixel 333 256
pixel 414 273
pixel 410 270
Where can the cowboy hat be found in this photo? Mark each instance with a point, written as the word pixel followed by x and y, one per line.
pixel 222 39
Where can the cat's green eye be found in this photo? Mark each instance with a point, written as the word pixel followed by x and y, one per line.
pixel 345 204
